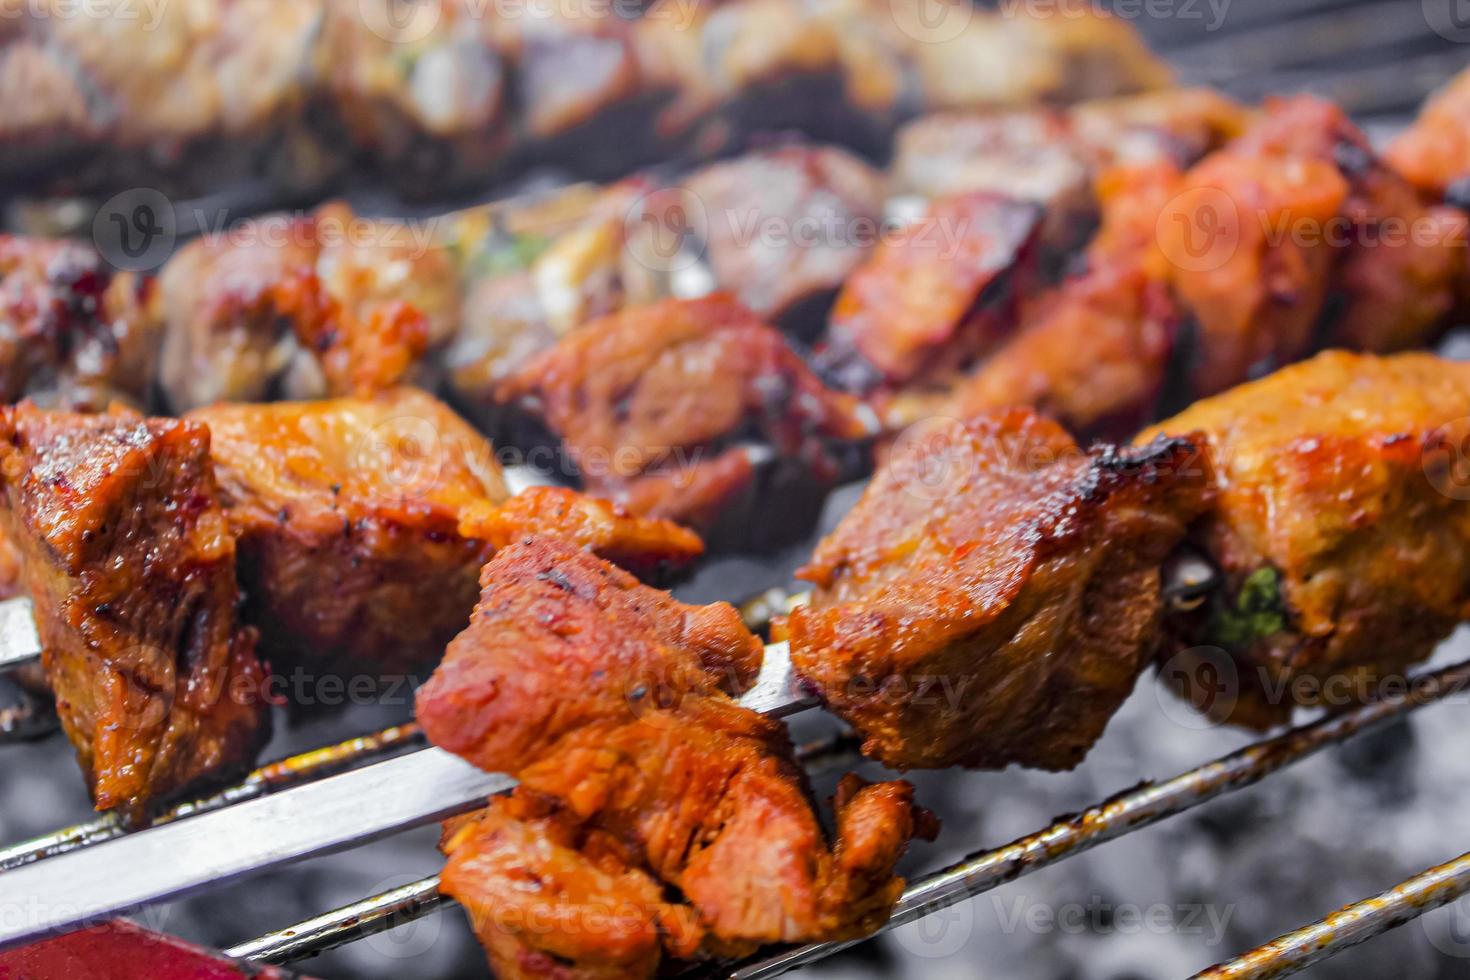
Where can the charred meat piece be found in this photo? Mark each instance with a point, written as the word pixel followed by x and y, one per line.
pixel 130 562
pixel 936 295
pixel 666 391
pixel 995 594
pixel 347 516
pixel 784 228
pixel 72 333
pixel 1093 353
pixel 304 306
pixel 1339 528
pixel 362 524
pixel 1434 153
pixel 1248 257
pixel 639 776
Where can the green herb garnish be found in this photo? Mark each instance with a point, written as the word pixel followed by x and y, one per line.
pixel 1259 612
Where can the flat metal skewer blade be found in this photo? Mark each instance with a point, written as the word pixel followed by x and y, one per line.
pixel 178 859
pixel 206 852
pixel 19 642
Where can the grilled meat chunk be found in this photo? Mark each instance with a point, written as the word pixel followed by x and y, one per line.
pixel 1434 153
pixel 652 402
pixel 362 524
pixel 1093 353
pixel 994 595
pixel 938 294
pixel 1052 156
pixel 347 513
pixel 609 701
pixel 1247 255
pixel 72 333
pixel 328 303
pixel 784 228
pixel 1400 260
pixel 1339 527
pixel 129 560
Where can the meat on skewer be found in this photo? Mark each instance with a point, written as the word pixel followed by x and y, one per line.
pixel 654 404
pixel 128 558
pixel 644 788
pixel 453 91
pixel 1338 526
pixel 71 331
pixel 362 524
pixel 1292 236
pixel 995 594
pixel 1434 153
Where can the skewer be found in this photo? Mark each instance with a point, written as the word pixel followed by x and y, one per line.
pixel 267 779
pixel 380 913
pixel 88 884
pixel 1349 926
pixel 976 874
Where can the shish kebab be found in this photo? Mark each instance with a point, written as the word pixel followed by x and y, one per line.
pixel 1156 490
pixel 1395 435
pixel 1096 348
pixel 276 532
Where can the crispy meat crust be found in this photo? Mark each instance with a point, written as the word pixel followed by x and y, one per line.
pixel 608 701
pixel 994 595
pixel 72 333
pixel 363 523
pixel 664 392
pixel 939 293
pixel 131 565
pixel 1338 476
pixel 1434 153
pixel 646 547
pixel 328 303
pixel 1093 353
pixel 347 513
